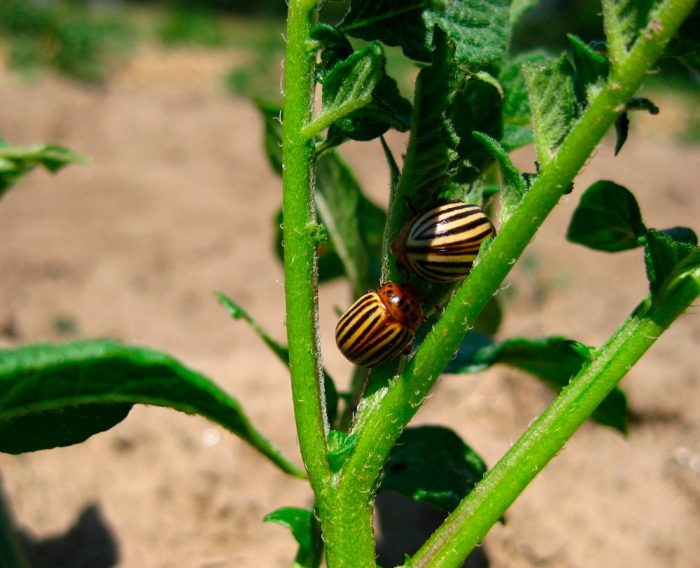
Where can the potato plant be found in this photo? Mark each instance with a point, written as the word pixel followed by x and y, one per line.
pixel 472 104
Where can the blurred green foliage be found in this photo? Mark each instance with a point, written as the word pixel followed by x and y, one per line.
pixel 547 25
pixel 66 325
pixel 80 39
pixel 691 134
pixel 192 27
pixel 262 42
pixel 63 36
pixel 240 7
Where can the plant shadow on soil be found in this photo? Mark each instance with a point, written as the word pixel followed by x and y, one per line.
pixel 89 543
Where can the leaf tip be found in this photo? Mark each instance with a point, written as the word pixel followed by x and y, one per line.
pixel 233 309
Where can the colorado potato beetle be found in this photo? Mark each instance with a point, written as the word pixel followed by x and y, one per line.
pixel 440 244
pixel 379 325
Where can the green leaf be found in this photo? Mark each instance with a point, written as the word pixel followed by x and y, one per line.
pixel 272 138
pixel 18 161
pixel 515 137
pixel 553 360
pixel 432 464
pixel 355 225
pixel 385 109
pixel 624 20
pixel 479 28
pixel 305 530
pixel 58 395
pixel 591 69
pixel 237 312
pixel 682 235
pixel 348 87
pixel 450 104
pixel 476 106
pixel 514 187
pixel 669 259
pixel 607 218
pixel 553 104
pixel 433 146
pixel 340 446
pixel 334 48
pixel 516 104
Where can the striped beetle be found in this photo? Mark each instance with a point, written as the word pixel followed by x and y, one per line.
pixel 379 325
pixel 439 244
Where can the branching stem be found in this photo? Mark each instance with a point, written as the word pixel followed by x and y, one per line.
pixel 344 499
pixel 614 33
pixel 383 416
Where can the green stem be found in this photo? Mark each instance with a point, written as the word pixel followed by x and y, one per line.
pixel 11 553
pixel 300 263
pixel 327 117
pixel 347 530
pixel 614 33
pixel 486 504
pixel 383 416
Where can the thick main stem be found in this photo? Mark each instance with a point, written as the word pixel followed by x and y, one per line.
pixel 300 265
pixel 347 530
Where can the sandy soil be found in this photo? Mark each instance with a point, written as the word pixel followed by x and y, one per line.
pixel 178 202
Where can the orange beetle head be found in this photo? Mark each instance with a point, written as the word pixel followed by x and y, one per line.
pixel 403 304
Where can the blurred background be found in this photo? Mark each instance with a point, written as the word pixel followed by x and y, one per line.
pixel 90 40
pixel 178 201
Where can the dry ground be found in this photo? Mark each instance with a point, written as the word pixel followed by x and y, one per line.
pixel 177 203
